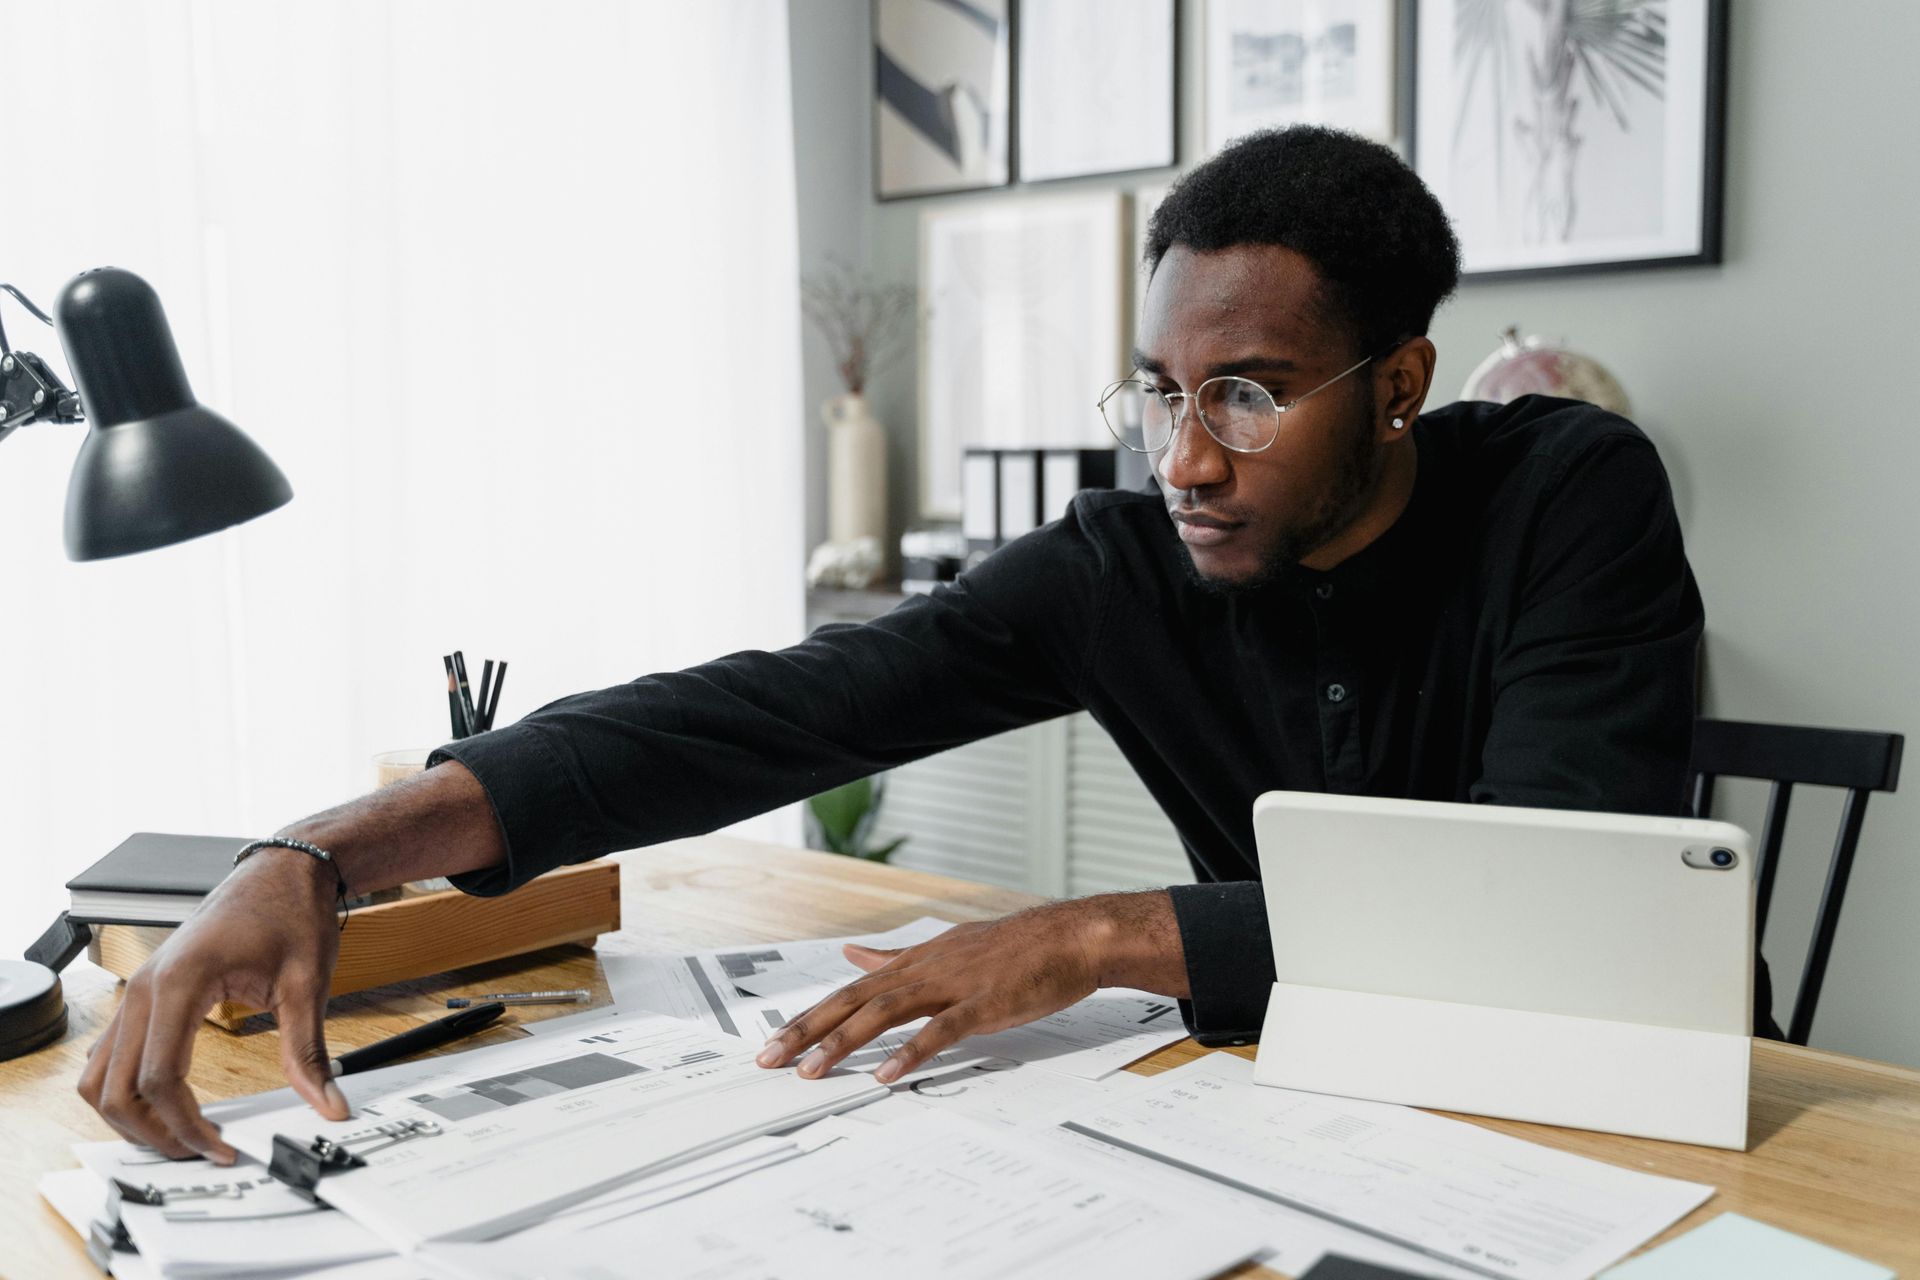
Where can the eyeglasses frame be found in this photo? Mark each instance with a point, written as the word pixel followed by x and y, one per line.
pixel 1280 411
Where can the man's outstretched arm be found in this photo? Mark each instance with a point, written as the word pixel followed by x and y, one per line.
pixel 669 755
pixel 267 938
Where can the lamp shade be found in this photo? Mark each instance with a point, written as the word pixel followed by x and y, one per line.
pixel 157 467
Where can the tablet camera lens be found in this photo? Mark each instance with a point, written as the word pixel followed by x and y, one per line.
pixel 1722 857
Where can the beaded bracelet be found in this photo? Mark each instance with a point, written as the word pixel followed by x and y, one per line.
pixel 312 851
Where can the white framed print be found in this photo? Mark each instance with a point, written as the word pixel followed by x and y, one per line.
pixel 1022 326
pixel 1143 201
pixel 1097 87
pixel 942 113
pixel 1279 62
pixel 1613 160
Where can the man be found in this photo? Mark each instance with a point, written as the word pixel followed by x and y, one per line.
pixel 1324 591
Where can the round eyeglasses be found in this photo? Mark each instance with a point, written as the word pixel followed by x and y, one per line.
pixel 1238 412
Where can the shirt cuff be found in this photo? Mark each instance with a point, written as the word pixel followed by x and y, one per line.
pixel 1229 952
pixel 528 789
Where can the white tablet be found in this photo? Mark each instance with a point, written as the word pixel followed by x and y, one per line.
pixel 1477 946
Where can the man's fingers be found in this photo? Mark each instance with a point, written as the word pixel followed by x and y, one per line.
pixel 882 1013
pixel 173 1019
pixel 93 1077
pixel 302 1015
pixel 120 1100
pixel 822 1018
pixel 942 1031
pixel 869 958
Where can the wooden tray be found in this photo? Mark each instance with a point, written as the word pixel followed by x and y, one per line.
pixel 424 933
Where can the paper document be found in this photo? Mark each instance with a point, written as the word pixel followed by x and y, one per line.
pixel 1107 1031
pixel 506 1135
pixel 753 990
pixel 783 967
pixel 928 1195
pixel 231 1220
pixel 1037 1101
pixel 748 990
pixel 1453 1190
pixel 80 1199
pixel 1733 1247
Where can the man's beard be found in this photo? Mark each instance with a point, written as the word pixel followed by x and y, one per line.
pixel 1355 475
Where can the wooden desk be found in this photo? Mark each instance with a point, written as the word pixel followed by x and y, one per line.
pixel 1836 1141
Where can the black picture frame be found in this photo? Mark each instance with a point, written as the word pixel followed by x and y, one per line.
pixel 896 99
pixel 1710 231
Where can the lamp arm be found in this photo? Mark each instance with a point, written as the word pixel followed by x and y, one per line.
pixel 30 391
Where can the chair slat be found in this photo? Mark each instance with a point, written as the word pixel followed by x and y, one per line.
pixel 1858 761
pixel 1771 833
pixel 1839 868
pixel 1851 758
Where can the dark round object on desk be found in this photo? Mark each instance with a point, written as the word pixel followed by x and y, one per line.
pixel 33 1012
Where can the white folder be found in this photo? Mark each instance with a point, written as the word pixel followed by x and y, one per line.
pixel 1587 970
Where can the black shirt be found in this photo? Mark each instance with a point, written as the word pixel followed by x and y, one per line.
pixel 1524 634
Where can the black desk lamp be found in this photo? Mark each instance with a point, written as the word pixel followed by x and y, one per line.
pixel 157 468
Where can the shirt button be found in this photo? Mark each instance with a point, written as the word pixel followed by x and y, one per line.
pixel 1336 693
pixel 1324 591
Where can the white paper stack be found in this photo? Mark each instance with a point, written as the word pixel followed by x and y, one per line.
pixel 507 1135
pixel 1448 1189
pixel 1020 1153
pixel 926 1195
pixel 753 990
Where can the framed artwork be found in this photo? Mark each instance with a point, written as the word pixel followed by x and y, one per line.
pixel 1144 201
pixel 1574 137
pixel 941 96
pixel 1022 318
pixel 1098 85
pixel 1281 62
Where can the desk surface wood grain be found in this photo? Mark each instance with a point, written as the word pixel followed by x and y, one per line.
pixel 1835 1141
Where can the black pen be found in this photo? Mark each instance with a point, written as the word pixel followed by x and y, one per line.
pixel 419 1040
pixel 466 693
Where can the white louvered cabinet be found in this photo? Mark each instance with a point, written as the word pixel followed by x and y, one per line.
pixel 1054 809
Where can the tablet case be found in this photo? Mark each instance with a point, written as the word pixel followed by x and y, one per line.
pixel 1578 969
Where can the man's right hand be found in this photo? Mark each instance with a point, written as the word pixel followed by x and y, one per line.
pixel 268 938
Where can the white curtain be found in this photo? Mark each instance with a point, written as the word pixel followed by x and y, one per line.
pixel 508 291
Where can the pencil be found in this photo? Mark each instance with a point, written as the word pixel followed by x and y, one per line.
pixel 466 694
pixel 453 699
pixel 486 681
pixel 499 678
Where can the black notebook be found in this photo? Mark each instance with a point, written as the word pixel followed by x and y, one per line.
pixel 152 878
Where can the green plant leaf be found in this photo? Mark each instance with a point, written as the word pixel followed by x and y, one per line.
pixel 840 810
pixel 885 851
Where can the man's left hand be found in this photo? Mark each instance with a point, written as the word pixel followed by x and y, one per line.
pixel 988 976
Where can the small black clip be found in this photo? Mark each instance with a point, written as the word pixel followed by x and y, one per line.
pixel 148 1194
pixel 300 1168
pixel 107 1235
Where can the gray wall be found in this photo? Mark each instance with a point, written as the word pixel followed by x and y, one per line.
pixel 832 52
pixel 1774 385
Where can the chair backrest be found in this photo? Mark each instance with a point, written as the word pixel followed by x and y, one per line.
pixel 1789 755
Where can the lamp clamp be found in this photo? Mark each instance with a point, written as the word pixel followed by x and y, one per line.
pixel 30 391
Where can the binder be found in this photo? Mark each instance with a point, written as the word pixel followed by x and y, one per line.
pixel 980 499
pixel 1019 493
pixel 1065 472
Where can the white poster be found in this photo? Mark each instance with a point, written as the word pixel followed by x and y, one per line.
pixel 1096 87
pixel 1022 304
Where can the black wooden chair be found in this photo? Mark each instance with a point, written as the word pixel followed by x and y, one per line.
pixel 1789 756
